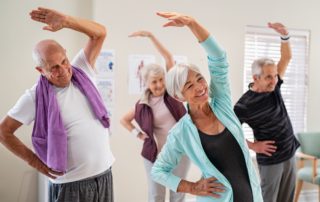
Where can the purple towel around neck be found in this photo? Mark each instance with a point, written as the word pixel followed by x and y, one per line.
pixel 49 136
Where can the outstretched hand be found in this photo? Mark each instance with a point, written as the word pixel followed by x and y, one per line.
pixel 176 19
pixel 54 20
pixel 278 27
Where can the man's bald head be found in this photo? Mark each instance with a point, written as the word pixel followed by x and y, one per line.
pixel 43 49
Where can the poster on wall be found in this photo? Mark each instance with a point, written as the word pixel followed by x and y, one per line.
pixel 106 88
pixel 136 64
pixel 178 59
pixel 105 78
pixel 105 63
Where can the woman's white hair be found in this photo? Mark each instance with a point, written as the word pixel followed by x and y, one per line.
pixel 177 77
pixel 257 65
pixel 151 70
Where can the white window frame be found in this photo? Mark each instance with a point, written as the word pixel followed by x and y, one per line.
pixel 265 42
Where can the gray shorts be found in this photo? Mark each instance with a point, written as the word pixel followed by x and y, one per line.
pixel 98 188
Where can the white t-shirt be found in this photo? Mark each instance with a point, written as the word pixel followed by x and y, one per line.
pixel 89 151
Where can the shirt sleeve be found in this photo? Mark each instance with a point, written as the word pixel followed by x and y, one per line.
pixel 239 113
pixel 167 160
pixel 24 110
pixel 80 61
pixel 218 69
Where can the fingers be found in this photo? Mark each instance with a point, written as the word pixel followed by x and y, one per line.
pixel 45 10
pixel 212 195
pixel 49 28
pixel 55 172
pixel 40 14
pixel 49 172
pixel 211 185
pixel 133 34
pixel 270 145
pixel 278 27
pixel 269 142
pixel 211 179
pixel 267 153
pixel 140 33
pixel 143 136
pixel 166 14
pixel 271 149
pixel 215 187
pixel 168 24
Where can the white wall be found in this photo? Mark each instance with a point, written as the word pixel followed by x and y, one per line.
pixel 226 20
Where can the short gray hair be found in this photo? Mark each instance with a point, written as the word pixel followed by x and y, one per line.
pixel 257 65
pixel 151 70
pixel 37 58
pixel 176 78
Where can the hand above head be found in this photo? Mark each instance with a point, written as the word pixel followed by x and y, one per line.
pixel 181 20
pixel 54 20
pixel 141 33
pixel 278 27
pixel 176 19
pixel 160 47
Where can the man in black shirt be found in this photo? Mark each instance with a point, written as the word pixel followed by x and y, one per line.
pixel 262 108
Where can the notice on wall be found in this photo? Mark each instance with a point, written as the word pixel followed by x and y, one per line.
pixel 136 64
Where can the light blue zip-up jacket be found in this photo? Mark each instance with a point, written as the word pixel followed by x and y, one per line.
pixel 183 138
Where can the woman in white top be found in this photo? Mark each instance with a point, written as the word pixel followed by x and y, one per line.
pixel 162 113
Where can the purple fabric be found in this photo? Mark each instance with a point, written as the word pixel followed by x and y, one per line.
pixel 49 136
pixel 144 117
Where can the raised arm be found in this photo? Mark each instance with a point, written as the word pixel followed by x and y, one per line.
pixel 162 50
pixel 56 21
pixel 7 128
pixel 218 65
pixel 285 47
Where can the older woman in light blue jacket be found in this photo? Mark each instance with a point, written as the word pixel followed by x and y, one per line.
pixel 210 133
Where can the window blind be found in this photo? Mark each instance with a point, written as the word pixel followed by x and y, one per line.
pixel 265 42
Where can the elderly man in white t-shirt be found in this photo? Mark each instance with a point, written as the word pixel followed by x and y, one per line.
pixel 70 134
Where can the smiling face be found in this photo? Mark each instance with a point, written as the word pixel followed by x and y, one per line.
pixel 267 80
pixel 195 90
pixel 56 67
pixel 156 84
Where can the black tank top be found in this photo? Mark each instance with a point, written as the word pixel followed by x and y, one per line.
pixel 226 155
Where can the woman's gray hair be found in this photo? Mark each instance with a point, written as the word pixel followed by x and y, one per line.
pixel 151 70
pixel 177 77
pixel 257 65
